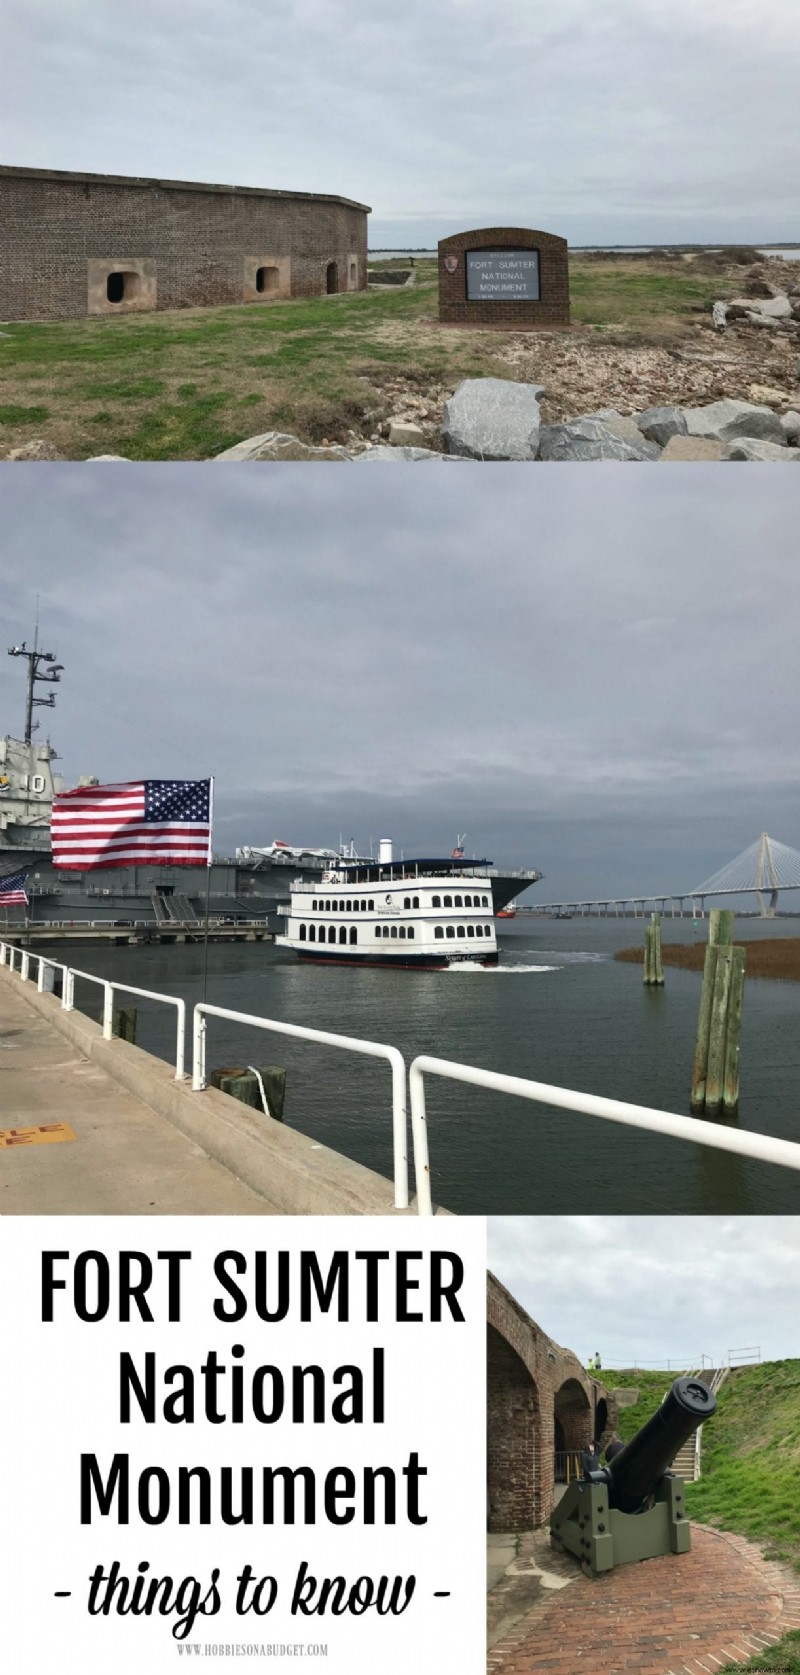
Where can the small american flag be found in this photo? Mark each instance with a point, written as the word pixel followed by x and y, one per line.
pixel 160 820
pixel 12 890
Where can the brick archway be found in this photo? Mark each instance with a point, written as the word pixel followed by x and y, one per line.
pixel 513 1434
pixel 532 1383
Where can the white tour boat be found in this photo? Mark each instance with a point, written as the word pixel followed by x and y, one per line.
pixel 432 913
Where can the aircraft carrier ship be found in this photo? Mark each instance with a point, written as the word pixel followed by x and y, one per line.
pixel 250 885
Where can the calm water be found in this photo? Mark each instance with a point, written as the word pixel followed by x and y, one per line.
pixel 559 1009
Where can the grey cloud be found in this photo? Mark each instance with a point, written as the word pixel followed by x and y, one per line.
pixel 656 1288
pixel 637 120
pixel 344 655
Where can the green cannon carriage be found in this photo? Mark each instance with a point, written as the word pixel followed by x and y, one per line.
pixel 635 1507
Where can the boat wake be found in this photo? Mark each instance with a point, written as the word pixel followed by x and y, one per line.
pixel 498 970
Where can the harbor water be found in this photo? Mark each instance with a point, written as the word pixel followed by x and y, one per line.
pixel 558 1009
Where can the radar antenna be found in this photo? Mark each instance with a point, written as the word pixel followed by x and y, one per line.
pixel 43 670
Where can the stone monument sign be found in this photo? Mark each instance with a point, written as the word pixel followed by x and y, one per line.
pixel 504 276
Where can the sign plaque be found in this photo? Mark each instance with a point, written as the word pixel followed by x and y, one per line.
pixel 502 275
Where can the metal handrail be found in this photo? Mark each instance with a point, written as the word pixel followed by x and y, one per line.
pixel 370 1049
pixel 763 1147
pixel 109 987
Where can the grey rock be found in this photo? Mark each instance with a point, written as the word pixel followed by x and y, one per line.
pixel 278 445
pixel 728 419
pixel 403 433
pixel 790 425
pixel 591 439
pixel 493 418
pixel 681 448
pixel 106 459
pixel 384 451
pixel 775 307
pixel 764 320
pixel 658 424
pixel 747 447
pixel 627 429
pixel 719 316
pixel 35 449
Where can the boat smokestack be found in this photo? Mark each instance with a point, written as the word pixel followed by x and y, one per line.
pixel 385 852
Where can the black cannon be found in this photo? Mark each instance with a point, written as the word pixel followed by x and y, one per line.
pixel 634 1508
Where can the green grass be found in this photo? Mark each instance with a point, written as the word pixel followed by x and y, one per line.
pixel 781 1659
pixel 23 415
pixel 187 384
pixel 750 1456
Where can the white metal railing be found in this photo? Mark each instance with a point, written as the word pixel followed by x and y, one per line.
pixel 763 1148
pixel 371 1049
pixel 109 987
pixel 747 1144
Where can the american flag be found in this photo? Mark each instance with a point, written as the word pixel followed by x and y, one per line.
pixel 12 890
pixel 161 820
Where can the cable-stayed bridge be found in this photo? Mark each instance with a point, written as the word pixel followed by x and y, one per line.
pixel 763 869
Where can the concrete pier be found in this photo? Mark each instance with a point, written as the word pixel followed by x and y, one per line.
pixel 143 1143
pixel 124 1159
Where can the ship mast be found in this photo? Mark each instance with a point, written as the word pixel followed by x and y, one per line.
pixel 38 675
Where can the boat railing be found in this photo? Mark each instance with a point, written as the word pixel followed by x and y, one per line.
pixel 350 1044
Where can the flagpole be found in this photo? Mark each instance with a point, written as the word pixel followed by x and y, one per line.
pixel 208 882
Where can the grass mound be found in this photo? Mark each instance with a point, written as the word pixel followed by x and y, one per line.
pixel 750 1454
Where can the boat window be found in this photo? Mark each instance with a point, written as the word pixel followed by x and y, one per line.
pixel 411 930
pixel 438 933
pixel 450 931
pixel 406 901
pixel 312 933
pixel 377 930
pixel 470 930
pixel 467 901
pixel 331 933
pixel 448 901
pixel 342 933
pixel 416 901
pixel 353 934
pixel 303 933
pixel 372 907
pixel 436 901
pixel 457 901
pixel 485 901
pixel 403 931
pixel 461 931
pixel 394 930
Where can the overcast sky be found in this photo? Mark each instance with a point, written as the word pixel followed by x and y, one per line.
pixel 658 1288
pixel 622 122
pixel 591 672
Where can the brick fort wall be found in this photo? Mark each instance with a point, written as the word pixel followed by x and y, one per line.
pixel 552 306
pixel 174 244
pixel 531 1383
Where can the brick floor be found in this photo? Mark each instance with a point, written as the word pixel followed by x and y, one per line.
pixel 684 1615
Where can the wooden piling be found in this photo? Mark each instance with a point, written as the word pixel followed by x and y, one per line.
pixel 730 1081
pixel 698 1096
pixel 715 1068
pixel 715 1072
pixel 653 968
pixel 123 1024
pixel 242 1084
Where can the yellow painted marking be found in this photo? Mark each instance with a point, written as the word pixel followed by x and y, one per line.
pixel 44 1135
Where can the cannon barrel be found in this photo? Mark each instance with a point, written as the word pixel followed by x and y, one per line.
pixel 633 1475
